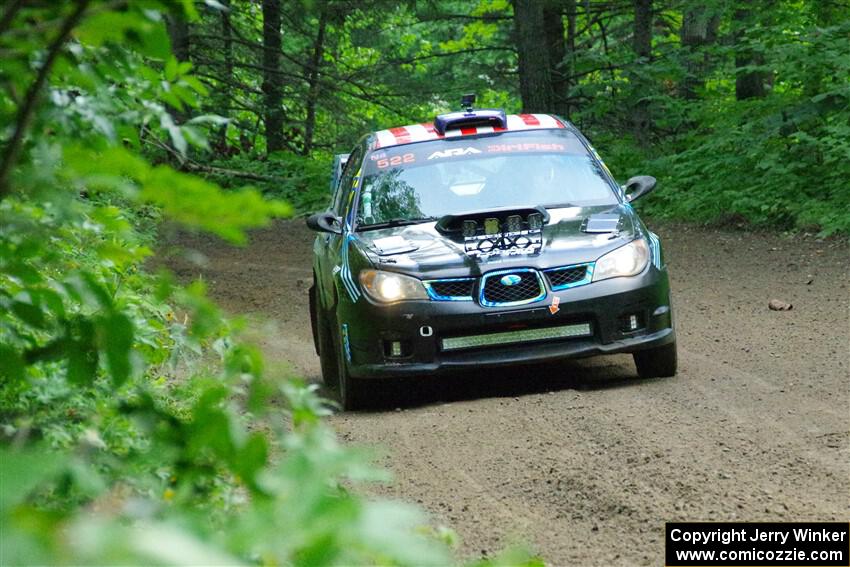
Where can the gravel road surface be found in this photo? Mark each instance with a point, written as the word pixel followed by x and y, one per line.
pixel 582 460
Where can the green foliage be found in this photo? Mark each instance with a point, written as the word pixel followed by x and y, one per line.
pixel 136 427
pixel 300 180
pixel 778 161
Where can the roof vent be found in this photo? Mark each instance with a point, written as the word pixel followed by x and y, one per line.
pixel 469 117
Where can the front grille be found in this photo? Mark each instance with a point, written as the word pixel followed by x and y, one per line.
pixel 569 276
pixel 457 289
pixel 499 288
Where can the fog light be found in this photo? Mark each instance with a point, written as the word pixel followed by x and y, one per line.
pixel 470 227
pixel 397 349
pixel 630 323
pixel 491 225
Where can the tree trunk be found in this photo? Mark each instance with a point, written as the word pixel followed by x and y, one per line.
pixel 272 79
pixel 178 32
pixel 313 81
pixel 227 39
pixel 642 40
pixel 553 24
pixel 826 14
pixel 535 78
pixel 748 84
pixel 571 51
pixel 227 46
pixel 642 46
pixel 699 29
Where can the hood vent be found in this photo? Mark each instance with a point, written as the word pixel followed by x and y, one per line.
pixel 597 224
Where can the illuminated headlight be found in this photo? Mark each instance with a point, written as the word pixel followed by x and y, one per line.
pixel 628 260
pixel 388 287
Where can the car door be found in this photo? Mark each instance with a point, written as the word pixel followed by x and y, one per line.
pixel 330 244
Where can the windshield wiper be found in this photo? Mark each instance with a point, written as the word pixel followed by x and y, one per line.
pixel 395 222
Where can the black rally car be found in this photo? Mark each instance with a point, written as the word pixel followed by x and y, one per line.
pixel 483 239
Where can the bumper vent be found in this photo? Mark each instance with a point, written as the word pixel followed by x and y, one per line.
pixel 512 287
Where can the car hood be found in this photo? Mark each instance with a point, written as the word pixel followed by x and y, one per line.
pixel 573 235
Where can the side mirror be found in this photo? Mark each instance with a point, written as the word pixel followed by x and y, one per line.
pixel 325 222
pixel 638 186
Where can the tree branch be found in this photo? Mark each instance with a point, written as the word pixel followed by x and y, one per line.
pixel 13 149
pixel 9 14
pixel 184 162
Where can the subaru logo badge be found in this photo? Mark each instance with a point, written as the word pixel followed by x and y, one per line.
pixel 510 279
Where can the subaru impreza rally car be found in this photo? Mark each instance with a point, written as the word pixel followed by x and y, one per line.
pixel 482 239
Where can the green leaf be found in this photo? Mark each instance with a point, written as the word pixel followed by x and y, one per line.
pixel 23 471
pixel 251 458
pixel 82 353
pixel 118 333
pixel 11 364
pixel 171 69
pixel 28 312
pixel 196 85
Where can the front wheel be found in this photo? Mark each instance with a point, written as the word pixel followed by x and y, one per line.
pixel 325 342
pixel 658 362
pixel 349 392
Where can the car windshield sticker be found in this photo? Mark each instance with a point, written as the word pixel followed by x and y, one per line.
pixel 454 152
pixel 526 147
pixel 351 194
pixel 385 162
pixel 439 151
pixel 599 159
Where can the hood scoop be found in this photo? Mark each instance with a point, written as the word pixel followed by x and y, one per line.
pixel 393 245
pixel 601 223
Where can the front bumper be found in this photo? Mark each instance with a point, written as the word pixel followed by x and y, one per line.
pixel 421 326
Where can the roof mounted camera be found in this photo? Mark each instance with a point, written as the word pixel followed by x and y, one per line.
pixel 466 102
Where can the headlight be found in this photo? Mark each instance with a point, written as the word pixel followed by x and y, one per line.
pixel 628 260
pixel 388 287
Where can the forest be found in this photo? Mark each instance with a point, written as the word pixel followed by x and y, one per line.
pixel 137 424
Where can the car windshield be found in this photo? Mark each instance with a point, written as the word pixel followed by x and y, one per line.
pixel 427 180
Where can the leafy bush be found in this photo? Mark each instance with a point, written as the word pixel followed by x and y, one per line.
pixel 778 161
pixel 300 180
pixel 136 427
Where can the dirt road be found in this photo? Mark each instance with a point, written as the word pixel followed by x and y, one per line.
pixel 583 460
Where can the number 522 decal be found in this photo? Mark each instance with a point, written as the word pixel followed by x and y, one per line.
pixel 395 160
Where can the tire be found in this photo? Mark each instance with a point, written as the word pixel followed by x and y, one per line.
pixel 658 362
pixel 327 350
pixel 314 323
pixel 351 393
